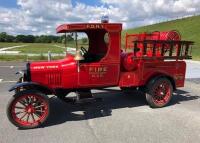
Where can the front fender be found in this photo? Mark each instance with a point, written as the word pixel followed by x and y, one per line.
pixel 32 85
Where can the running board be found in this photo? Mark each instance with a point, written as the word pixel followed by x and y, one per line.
pixel 74 100
pixel 82 97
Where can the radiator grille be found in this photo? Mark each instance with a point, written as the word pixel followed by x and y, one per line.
pixel 54 79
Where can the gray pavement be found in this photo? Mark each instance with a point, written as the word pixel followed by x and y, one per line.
pixel 118 118
pixel 193 69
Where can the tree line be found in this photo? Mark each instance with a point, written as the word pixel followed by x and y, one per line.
pixel 4 37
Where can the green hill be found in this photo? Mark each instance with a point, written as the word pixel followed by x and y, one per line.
pixel 189 29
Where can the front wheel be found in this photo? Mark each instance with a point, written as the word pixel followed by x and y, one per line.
pixel 28 109
pixel 159 92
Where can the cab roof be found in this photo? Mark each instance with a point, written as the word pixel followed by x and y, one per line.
pixel 110 27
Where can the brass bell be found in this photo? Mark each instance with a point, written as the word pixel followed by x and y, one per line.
pixel 78 56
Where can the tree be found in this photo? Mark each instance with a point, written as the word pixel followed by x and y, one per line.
pixel 20 38
pixel 29 39
pixel 69 38
pixel 3 36
pixel 84 40
pixel 10 38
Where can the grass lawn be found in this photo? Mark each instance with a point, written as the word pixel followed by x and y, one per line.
pixel 33 48
pixel 39 48
pixel 25 58
pixel 4 45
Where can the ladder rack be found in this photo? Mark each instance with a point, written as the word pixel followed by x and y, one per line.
pixel 162 49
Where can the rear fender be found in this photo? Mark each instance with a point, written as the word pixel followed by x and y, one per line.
pixel 32 85
pixel 152 79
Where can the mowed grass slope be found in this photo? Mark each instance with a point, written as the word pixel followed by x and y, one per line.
pixel 189 29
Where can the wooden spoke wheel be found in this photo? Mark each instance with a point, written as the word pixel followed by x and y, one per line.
pixel 28 109
pixel 159 92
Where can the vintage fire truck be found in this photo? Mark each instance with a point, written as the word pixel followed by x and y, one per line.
pixel 151 62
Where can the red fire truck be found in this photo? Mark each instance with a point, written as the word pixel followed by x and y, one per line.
pixel 151 62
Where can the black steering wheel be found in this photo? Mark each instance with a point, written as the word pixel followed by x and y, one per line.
pixel 84 50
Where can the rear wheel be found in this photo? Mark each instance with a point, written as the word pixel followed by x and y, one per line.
pixel 159 92
pixel 28 109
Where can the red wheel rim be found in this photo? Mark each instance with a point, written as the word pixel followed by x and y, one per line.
pixel 162 93
pixel 29 110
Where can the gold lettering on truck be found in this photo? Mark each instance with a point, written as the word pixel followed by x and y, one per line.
pixel 95 26
pixel 97 72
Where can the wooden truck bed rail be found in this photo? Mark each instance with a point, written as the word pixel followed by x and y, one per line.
pixel 162 49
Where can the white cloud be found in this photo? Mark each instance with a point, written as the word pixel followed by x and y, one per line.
pixel 42 16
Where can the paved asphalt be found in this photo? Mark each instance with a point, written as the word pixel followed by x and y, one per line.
pixel 118 118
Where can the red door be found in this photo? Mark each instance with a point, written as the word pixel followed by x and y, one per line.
pixel 98 74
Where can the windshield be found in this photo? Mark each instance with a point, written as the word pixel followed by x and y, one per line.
pixel 75 40
pixel 91 44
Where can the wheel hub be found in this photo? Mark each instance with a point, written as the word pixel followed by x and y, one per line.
pixel 161 93
pixel 30 109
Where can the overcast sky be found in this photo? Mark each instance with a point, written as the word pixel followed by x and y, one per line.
pixel 43 16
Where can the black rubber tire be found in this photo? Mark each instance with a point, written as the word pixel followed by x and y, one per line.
pixel 150 92
pixel 19 94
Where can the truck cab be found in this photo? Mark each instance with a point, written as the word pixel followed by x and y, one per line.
pixel 100 60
